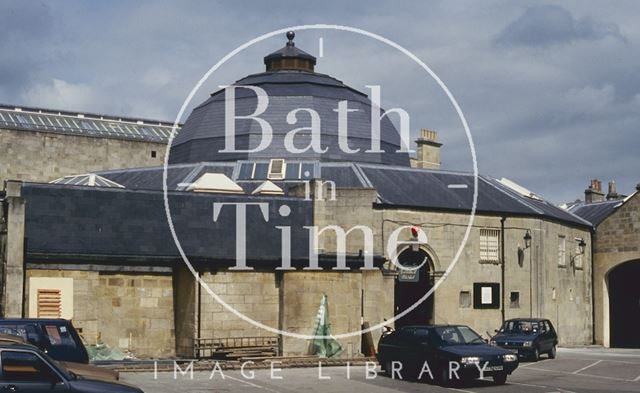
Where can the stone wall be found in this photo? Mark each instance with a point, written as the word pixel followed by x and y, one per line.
pixel 546 289
pixel 617 240
pixel 126 311
pixel 254 294
pixel 43 156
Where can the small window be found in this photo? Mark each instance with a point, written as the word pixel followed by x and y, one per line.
pixel 465 299
pixel 562 251
pixel 489 245
pixel 153 154
pixel 276 169
pixel 514 299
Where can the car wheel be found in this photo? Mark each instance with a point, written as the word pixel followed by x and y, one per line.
pixel 552 353
pixel 387 367
pixel 500 378
pixel 536 354
pixel 443 376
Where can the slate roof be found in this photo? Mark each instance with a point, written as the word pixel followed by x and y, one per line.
pixel 76 221
pixel 595 212
pixel 397 186
pixel 84 124
pixel 203 135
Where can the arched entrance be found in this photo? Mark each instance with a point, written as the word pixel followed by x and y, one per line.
pixel 410 286
pixel 624 305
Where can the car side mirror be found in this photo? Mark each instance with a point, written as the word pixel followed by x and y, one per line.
pixel 497 331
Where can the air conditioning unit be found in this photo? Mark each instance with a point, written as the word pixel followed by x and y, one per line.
pixel 276 169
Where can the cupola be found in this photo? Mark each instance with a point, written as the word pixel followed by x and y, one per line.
pixel 290 58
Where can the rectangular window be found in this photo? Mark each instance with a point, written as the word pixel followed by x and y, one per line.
pixel 49 303
pixel 562 250
pixel 514 299
pixel 489 245
pixel 465 299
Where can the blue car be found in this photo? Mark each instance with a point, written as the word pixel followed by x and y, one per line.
pixel 531 337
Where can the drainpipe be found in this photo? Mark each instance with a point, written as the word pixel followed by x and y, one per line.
pixel 593 287
pixel 502 266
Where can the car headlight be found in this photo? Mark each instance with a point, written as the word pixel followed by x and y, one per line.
pixel 527 344
pixel 470 360
pixel 510 357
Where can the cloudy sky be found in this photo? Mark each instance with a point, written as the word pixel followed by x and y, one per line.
pixel 551 90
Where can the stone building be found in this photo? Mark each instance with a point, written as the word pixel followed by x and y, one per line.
pixel 102 242
pixel 42 145
pixel 616 263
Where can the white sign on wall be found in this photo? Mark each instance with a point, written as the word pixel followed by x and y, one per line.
pixel 486 295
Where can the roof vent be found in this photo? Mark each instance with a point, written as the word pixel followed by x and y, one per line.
pixel 276 169
pixel 519 189
pixel 268 188
pixel 216 183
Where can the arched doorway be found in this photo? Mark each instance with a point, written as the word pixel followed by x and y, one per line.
pixel 624 305
pixel 411 286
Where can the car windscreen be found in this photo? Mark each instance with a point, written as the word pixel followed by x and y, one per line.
pixel 455 335
pixel 521 327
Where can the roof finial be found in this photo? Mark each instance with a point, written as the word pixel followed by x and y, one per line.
pixel 290 36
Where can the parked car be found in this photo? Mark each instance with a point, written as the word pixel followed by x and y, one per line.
pixel 25 368
pixel 444 348
pixel 57 337
pixel 85 370
pixel 531 337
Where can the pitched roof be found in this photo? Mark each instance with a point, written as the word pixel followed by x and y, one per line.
pixel 397 186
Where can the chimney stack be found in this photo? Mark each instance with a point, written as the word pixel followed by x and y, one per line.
pixel 428 152
pixel 612 194
pixel 594 192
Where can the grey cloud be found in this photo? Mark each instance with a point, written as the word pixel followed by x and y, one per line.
pixel 546 25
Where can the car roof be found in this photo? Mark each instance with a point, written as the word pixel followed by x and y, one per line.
pixel 47 320
pixel 429 326
pixel 526 319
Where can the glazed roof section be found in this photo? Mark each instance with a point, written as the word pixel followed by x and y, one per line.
pixel 396 186
pixel 84 124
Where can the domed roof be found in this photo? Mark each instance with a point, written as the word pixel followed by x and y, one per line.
pixel 202 138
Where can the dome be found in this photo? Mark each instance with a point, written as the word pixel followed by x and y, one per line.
pixel 290 84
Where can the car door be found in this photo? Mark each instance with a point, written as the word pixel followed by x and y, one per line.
pixel 24 371
pixel 545 337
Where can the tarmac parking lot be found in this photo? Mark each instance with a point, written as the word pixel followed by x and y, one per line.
pixel 574 370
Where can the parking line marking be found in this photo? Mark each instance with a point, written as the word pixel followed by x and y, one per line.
pixel 457 186
pixel 460 390
pixel 539 386
pixel 251 384
pixel 637 379
pixel 581 375
pixel 587 367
